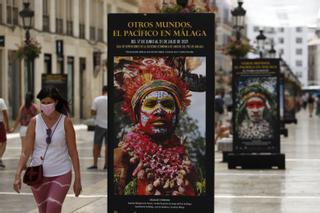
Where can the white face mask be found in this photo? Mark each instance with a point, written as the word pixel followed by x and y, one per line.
pixel 47 109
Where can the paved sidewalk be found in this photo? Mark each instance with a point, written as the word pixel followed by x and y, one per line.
pixel 293 190
pixel 92 199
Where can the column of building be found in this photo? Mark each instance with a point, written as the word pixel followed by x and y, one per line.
pixel 4 59
pixel 38 62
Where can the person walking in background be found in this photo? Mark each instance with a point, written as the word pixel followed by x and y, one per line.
pixel 26 112
pixel 310 105
pixel 318 106
pixel 51 141
pixel 228 102
pixel 218 109
pixel 304 100
pixel 99 109
pixel 4 128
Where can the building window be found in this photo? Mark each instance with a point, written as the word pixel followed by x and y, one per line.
pixel 299 74
pixel 46 16
pixel 70 84
pixel 281 40
pixel 47 63
pixel 298 29
pixel 92 33
pixel 271 41
pixel 299 51
pixel 59 25
pixel 281 51
pixel 82 29
pixel 59 16
pixel 298 40
pixel 269 30
pixel 93 16
pixel 12 12
pixel 281 29
pixel 70 28
pixel 69 18
pixel 298 63
pixel 255 29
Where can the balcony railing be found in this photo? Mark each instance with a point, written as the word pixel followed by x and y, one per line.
pixel 59 25
pixel 92 33
pixel 46 23
pixel 69 28
pixel 82 31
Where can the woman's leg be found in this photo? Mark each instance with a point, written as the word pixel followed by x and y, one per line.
pixel 2 150
pixel 41 195
pixel 58 190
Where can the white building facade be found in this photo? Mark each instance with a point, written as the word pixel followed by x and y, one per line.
pixel 81 25
pixel 291 43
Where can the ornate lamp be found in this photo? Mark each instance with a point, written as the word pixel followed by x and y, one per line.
pixel 261 38
pixel 238 15
pixel 27 15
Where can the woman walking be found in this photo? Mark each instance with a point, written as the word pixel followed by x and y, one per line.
pixel 26 112
pixel 310 104
pixel 51 141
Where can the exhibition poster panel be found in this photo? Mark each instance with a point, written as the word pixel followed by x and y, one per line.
pixel 160 125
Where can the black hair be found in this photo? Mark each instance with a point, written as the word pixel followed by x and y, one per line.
pixel 104 89
pixel 52 92
pixel 28 99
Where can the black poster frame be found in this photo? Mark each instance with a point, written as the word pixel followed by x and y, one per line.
pixel 120 45
pixel 244 70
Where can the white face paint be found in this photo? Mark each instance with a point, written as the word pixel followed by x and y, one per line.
pixel 158 112
pixel 255 107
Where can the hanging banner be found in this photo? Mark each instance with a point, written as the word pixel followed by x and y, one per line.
pixel 160 113
pixel 256 112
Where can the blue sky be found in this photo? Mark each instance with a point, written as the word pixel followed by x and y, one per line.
pixel 286 13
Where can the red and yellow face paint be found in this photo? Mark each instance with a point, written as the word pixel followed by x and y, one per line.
pixel 158 113
pixel 255 107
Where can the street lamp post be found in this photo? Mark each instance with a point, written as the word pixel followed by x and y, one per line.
pixel 238 19
pixel 260 41
pixel 27 16
pixel 272 51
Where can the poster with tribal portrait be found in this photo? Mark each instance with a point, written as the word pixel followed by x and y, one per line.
pixel 160 142
pixel 160 112
pixel 256 112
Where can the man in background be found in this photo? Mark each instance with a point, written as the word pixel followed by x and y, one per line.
pixel 99 109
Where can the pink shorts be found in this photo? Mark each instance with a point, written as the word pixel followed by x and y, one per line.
pixel 3 133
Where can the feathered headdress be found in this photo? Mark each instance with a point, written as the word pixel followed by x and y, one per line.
pixel 152 76
pixel 255 90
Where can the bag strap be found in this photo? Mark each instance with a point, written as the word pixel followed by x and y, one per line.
pixel 50 139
